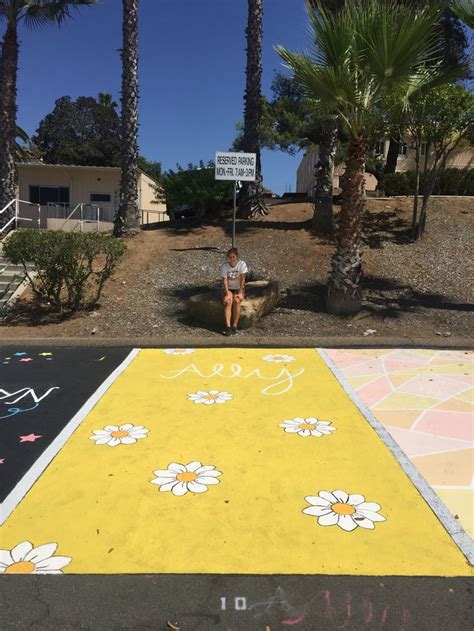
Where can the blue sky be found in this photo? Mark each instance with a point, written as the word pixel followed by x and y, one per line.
pixel 192 73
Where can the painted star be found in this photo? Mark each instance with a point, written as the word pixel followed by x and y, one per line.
pixel 19 354
pixel 26 359
pixel 30 438
pixel 44 354
pixel 2 460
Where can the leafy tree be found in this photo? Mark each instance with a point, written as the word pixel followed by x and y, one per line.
pixel 127 220
pixel 82 132
pixel 359 57
pixel 442 117
pixel 251 199
pixel 290 123
pixel 33 13
pixel 153 169
pixel 194 187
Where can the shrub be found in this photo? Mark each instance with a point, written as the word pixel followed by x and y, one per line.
pixel 69 268
pixel 455 182
pixel 448 182
pixel 395 184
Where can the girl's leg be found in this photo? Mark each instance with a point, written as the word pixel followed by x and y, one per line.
pixel 228 301
pixel 235 311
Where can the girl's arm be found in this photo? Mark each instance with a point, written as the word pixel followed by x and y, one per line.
pixel 242 284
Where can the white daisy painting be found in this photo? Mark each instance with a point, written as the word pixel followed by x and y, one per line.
pixel 191 478
pixel 348 511
pixel 114 435
pixel 211 397
pixel 308 426
pixel 179 351
pixel 24 558
pixel 278 358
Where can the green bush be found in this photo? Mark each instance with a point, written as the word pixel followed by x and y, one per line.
pixel 396 184
pixel 455 182
pixel 69 268
pixel 448 182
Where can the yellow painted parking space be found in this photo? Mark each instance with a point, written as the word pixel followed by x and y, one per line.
pixel 230 461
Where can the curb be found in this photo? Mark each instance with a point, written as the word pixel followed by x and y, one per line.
pixel 457 343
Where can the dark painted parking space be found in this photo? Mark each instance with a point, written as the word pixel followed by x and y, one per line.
pixel 40 391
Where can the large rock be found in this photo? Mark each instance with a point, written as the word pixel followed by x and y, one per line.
pixel 260 298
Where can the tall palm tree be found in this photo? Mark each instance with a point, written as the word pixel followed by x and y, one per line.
pixel 33 13
pixel 360 56
pixel 251 199
pixel 127 220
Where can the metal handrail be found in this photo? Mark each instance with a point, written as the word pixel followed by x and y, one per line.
pixel 82 220
pixel 70 215
pixel 16 217
pixel 153 212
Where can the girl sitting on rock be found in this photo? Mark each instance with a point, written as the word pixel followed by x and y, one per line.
pixel 233 273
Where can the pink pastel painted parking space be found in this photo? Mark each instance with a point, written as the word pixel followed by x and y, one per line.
pixel 424 398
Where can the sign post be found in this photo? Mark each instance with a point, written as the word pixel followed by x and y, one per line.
pixel 235 167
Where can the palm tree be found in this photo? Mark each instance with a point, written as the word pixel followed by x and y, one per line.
pixel 362 54
pixel 127 220
pixel 33 13
pixel 251 199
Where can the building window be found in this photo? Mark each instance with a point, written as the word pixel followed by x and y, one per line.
pixel 49 195
pixel 423 149
pixel 100 197
pixel 380 148
pixel 402 149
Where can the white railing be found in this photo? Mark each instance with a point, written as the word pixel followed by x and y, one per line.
pixel 17 217
pixel 145 213
pixel 81 221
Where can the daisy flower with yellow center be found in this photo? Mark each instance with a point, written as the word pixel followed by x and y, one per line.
pixel 308 426
pixel 348 511
pixel 181 479
pixel 208 398
pixel 26 559
pixel 179 351
pixel 278 358
pixel 113 435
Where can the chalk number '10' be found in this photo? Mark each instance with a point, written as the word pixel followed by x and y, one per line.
pixel 240 603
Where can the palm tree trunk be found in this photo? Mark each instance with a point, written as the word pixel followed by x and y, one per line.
pixel 8 79
pixel 344 294
pixel 127 221
pixel 323 218
pixel 251 199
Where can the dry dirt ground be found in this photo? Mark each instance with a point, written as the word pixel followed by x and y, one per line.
pixel 416 290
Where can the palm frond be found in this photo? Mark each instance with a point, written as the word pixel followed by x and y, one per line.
pixel 38 13
pixel 464 9
pixel 393 39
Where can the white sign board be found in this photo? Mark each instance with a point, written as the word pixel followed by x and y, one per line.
pixel 236 166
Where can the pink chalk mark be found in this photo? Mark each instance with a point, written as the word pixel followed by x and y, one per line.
pixel 349 606
pixel 369 609
pixel 385 614
pixel 295 621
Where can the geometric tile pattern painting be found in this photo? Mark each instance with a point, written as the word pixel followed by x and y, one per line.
pixel 424 398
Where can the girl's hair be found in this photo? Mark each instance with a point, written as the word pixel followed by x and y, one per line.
pixel 233 251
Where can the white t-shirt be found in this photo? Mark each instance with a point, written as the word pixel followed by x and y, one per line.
pixel 233 273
